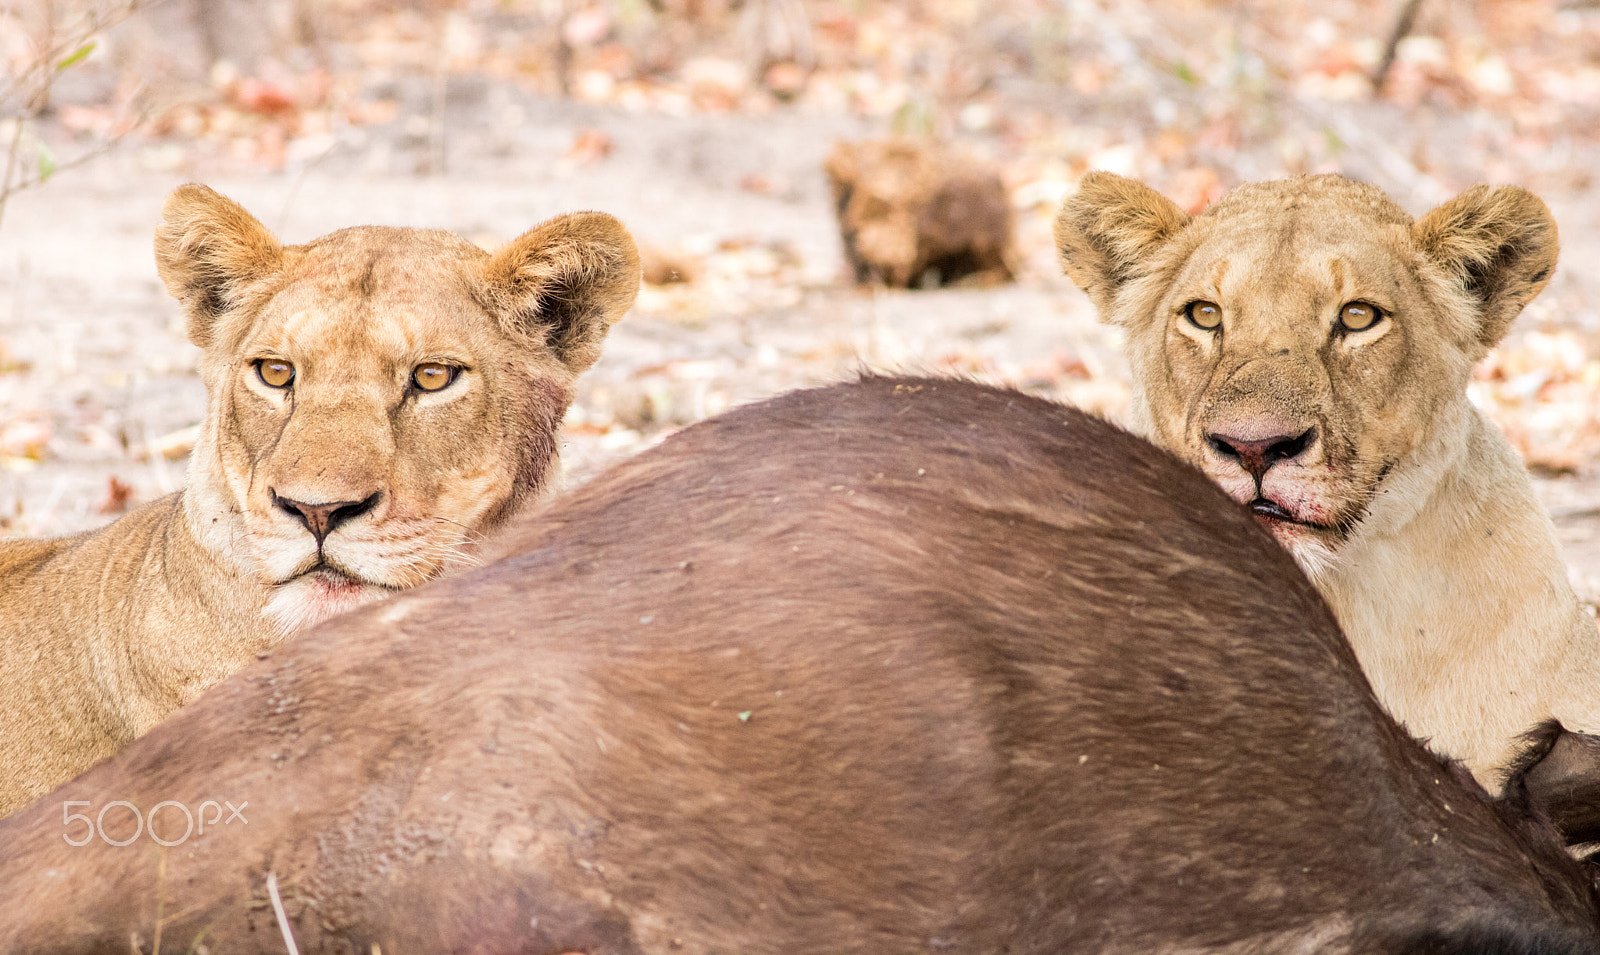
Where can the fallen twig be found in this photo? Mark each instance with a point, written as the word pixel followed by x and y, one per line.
pixel 277 911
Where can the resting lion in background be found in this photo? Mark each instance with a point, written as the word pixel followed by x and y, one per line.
pixel 378 400
pixel 1308 345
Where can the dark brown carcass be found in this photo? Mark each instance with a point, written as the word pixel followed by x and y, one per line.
pixel 905 665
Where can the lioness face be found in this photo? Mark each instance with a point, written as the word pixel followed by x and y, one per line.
pixel 380 398
pixel 1300 338
pixel 1301 358
pixel 379 421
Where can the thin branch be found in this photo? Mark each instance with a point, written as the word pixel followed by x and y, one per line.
pixel 1402 28
pixel 26 93
pixel 6 188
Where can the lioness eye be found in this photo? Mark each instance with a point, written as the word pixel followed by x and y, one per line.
pixel 1206 315
pixel 433 376
pixel 1358 316
pixel 275 372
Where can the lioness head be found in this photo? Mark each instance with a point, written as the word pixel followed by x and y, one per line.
pixel 378 398
pixel 1300 338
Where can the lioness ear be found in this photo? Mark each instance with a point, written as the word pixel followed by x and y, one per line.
pixel 566 281
pixel 1500 243
pixel 1106 230
pixel 207 249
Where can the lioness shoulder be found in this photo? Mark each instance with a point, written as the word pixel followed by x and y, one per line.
pixel 379 399
pixel 1308 345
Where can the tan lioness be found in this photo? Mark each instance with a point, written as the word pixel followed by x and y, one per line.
pixel 1308 346
pixel 379 399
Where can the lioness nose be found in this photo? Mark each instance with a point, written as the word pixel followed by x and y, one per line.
pixel 322 519
pixel 1257 456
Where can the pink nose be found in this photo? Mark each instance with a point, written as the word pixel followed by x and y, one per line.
pixel 1258 455
pixel 322 519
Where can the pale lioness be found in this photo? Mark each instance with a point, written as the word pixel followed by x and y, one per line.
pixel 378 400
pixel 1308 346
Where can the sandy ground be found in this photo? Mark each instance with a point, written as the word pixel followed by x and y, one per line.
pixel 95 362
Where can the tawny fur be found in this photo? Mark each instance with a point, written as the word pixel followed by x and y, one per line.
pixel 1412 513
pixel 104 634
pixel 912 210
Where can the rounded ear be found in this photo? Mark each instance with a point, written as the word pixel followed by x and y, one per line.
pixel 565 281
pixel 1107 229
pixel 207 249
pixel 1500 244
pixel 842 167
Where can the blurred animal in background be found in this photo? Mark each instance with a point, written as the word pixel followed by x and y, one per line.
pixel 898 666
pixel 378 401
pixel 919 213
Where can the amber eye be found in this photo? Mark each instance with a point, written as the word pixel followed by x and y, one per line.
pixel 275 372
pixel 433 376
pixel 1206 315
pixel 1359 316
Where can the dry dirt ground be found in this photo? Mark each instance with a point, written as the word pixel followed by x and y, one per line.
pixel 97 382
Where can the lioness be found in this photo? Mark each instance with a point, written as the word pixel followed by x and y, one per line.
pixel 379 399
pixel 1308 346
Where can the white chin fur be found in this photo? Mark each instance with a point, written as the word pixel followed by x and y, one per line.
pixel 1316 559
pixel 309 600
